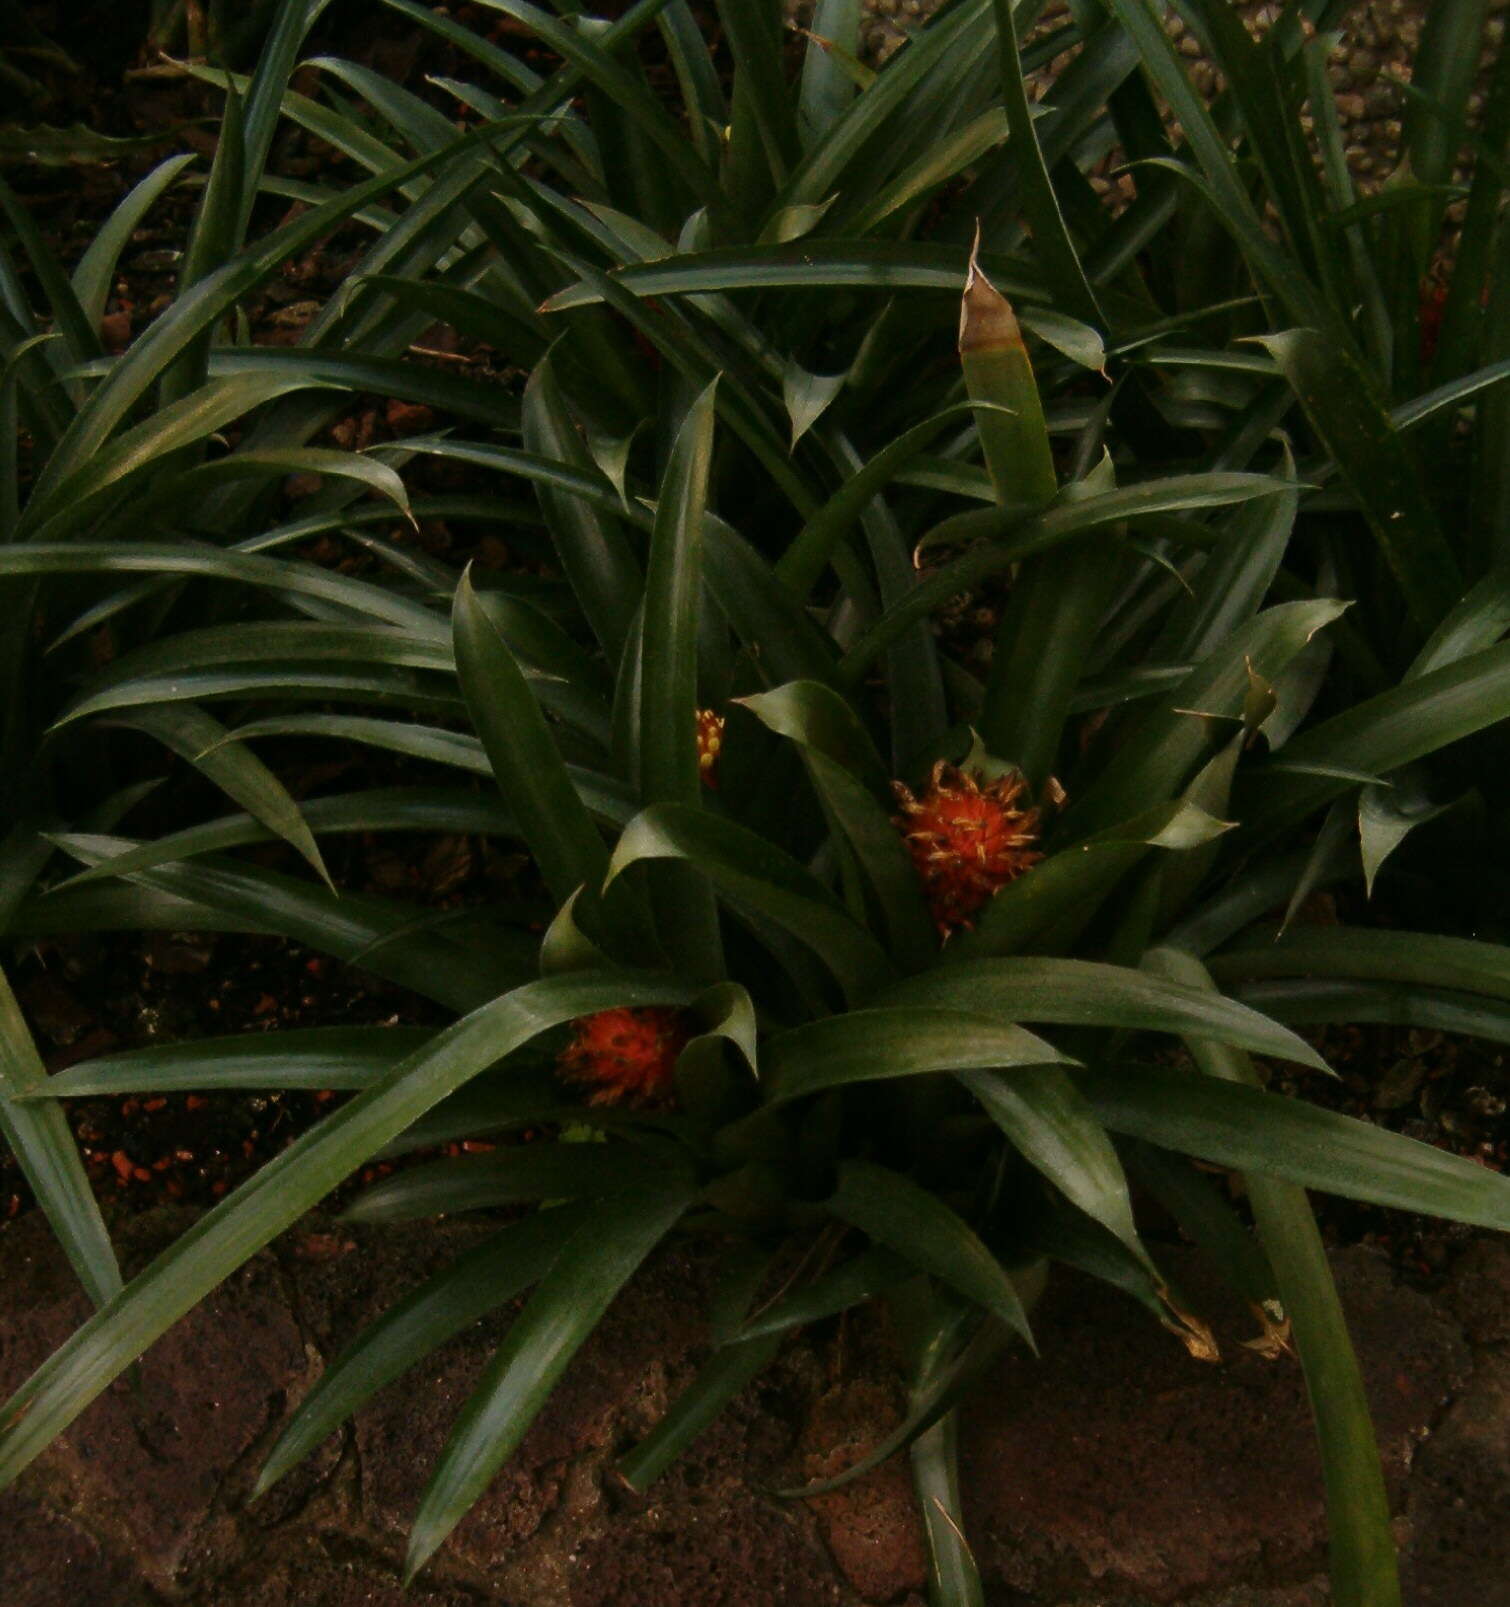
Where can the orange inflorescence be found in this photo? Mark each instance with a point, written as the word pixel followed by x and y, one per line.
pixel 967 840
pixel 626 1055
pixel 710 743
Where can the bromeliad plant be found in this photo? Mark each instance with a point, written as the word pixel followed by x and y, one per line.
pixel 746 992
pixel 885 1005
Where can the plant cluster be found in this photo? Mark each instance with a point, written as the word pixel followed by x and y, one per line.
pixel 851 953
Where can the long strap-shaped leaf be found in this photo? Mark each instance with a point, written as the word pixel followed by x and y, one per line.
pixel 309 1057
pixel 1364 1572
pixel 209 300
pixel 752 872
pixel 851 782
pixel 435 809
pixel 1084 993
pixel 1380 469
pixel 1252 1131
pixel 473 1285
pixel 1005 537
pixel 40 1140
pixel 529 770
pixel 1422 959
pixel 284 1189
pixel 380 935
pixel 513 1175
pixel 194 736
pixel 1165 742
pixel 665 744
pixel 1311 1001
pixel 1395 728
pixel 917 1225
pixel 723 1376
pixel 244 568
pixel 568 1304
pixel 592 549
pixel 870 1045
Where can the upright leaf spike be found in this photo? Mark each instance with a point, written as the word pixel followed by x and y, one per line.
pixel 1014 435
pixel 1059 599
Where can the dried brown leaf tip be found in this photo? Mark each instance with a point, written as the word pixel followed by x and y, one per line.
pixel 627 1056
pixel 967 840
pixel 1274 1337
pixel 1194 1334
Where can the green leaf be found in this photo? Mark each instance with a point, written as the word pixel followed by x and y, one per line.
pixel 235 769
pixel 1224 186
pixel 720 1379
pixel 1477 621
pixel 1313 1001
pixel 1049 1123
pixel 486 1277
pixel 919 1227
pixel 62 505
pixel 864 1276
pixel 60 147
pixel 94 276
pixel 1038 200
pixel 591 58
pixel 1388 814
pixel 751 872
pixel 287 1186
pixel 870 1045
pixel 1363 1565
pixel 807 264
pixel 1380 469
pixel 248 569
pixel 754 38
pixel 526 764
pixel 807 397
pixel 264 98
pixel 275 462
pixel 1083 993
pixel 308 1057
pixel 1236 577
pixel 1168 738
pixel 384 937
pixel 953 1574
pixel 604 796
pixel 1253 1131
pixel 593 553
pixel 1378 736
pixel 666 744
pixel 564 1309
pixel 40 1139
pixel 1005 537
pixel 1055 898
pixel 826 89
pixel 1420 959
pixel 850 780
pixel 202 306
pixel 516 1174
pixel 805 556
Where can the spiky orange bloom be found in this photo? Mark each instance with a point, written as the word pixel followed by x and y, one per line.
pixel 626 1055
pixel 967 840
pixel 710 743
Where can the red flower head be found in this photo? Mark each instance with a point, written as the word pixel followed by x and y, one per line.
pixel 626 1055
pixel 710 742
pixel 967 840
